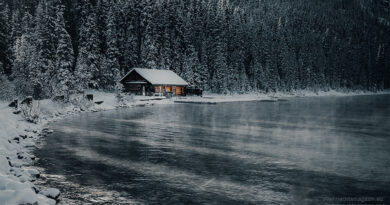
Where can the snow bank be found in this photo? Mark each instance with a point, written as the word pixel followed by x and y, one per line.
pixel 51 193
pixel 15 185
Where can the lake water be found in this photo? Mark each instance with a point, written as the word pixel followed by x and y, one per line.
pixel 319 150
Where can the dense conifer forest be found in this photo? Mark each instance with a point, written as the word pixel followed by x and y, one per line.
pixel 58 47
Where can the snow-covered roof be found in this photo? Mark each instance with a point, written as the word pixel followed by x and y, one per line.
pixel 159 77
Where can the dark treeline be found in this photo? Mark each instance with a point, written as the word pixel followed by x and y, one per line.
pixel 60 46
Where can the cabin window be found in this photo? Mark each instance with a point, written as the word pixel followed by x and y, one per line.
pixel 157 89
pixel 168 89
pixel 179 90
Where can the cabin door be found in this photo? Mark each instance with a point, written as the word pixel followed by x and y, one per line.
pixel 143 90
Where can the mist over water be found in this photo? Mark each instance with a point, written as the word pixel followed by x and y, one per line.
pixel 307 150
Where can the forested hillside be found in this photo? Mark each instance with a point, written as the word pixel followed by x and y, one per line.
pixel 61 46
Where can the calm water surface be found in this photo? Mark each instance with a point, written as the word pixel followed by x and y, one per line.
pixel 321 150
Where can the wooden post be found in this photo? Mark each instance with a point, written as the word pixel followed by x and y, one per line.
pixel 89 97
pixel 14 104
pixel 59 98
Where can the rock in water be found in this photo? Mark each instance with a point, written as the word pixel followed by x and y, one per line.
pixel 36 189
pixel 51 193
pixel 47 131
pixel 14 104
pixel 17 112
pixel 99 102
pixel 34 173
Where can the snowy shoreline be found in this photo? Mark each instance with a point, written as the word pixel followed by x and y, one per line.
pixel 18 137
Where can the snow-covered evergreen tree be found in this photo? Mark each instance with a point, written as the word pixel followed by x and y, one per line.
pixel 25 70
pixel 89 58
pixel 218 45
pixel 46 41
pixel 110 69
pixel 149 50
pixel 5 39
pixel 219 49
pixel 64 80
pixel 190 66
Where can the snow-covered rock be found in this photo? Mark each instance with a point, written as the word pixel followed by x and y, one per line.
pixel 4 165
pixel 14 192
pixel 51 193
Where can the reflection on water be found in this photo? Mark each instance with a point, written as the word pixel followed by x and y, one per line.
pixel 310 150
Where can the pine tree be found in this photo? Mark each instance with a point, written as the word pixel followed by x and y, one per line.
pixel 25 53
pixel 46 41
pixel 219 48
pixel 127 36
pixel 102 12
pixel 64 80
pixel 5 40
pixel 88 60
pixel 219 81
pixel 176 41
pixel 111 70
pixel 149 49
pixel 191 62
pixel 203 75
pixel 191 66
pixel 16 28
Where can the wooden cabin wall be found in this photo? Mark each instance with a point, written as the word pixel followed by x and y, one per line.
pixel 137 89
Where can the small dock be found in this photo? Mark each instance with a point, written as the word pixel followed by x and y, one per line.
pixel 151 99
pixel 268 100
pixel 216 100
pixel 195 102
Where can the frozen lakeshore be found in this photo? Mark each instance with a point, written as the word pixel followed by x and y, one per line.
pixel 18 138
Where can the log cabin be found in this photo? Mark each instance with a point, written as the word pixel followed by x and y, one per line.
pixel 153 82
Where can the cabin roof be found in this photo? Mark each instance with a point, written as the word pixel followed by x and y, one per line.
pixel 158 77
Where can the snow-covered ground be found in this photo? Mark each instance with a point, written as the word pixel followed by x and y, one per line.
pixel 15 176
pixel 18 137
